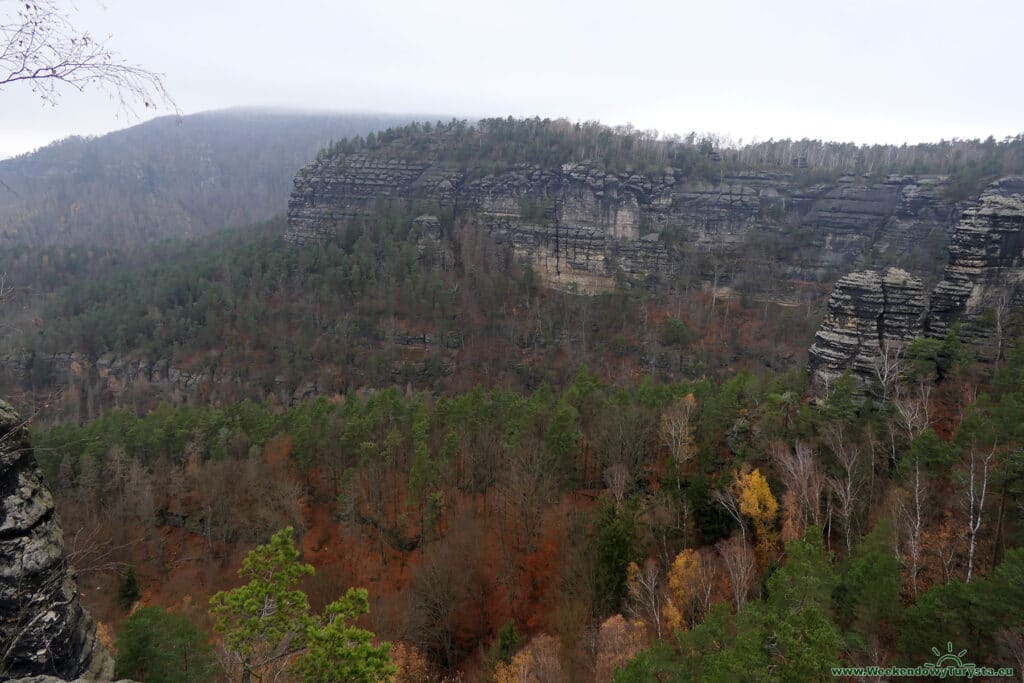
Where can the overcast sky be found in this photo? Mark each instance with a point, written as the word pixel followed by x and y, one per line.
pixel 859 70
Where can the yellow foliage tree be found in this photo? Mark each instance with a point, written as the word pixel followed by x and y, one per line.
pixel 683 580
pixel 673 618
pixel 757 502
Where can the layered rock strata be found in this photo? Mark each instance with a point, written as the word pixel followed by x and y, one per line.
pixel 984 281
pixel 868 312
pixel 579 225
pixel 43 628
pixel 982 290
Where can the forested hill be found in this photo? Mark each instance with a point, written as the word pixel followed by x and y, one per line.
pixel 166 178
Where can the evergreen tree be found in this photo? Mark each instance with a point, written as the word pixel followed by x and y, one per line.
pixel 128 592
pixel 157 646
pixel 339 651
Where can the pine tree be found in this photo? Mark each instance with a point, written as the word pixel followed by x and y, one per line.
pixel 267 625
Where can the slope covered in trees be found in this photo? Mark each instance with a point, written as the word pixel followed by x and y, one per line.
pixel 166 177
pixel 530 484
pixel 709 528
pixel 254 317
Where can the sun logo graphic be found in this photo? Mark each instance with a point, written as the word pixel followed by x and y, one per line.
pixel 949 660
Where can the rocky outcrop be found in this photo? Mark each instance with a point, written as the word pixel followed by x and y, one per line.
pixel 981 290
pixel 867 312
pixel 329 191
pixel 428 234
pixel 984 281
pixel 112 375
pixel 579 225
pixel 43 628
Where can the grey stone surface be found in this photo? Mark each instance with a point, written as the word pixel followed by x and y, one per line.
pixel 43 628
pixel 982 289
pixel 867 312
pixel 578 224
pixel 986 266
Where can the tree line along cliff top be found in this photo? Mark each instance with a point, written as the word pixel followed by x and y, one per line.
pixel 493 145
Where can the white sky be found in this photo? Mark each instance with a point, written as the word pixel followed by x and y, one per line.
pixel 861 70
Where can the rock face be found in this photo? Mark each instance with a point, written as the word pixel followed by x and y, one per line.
pixel 867 312
pixel 982 288
pixel 984 281
pixel 43 628
pixel 579 225
pixel 112 374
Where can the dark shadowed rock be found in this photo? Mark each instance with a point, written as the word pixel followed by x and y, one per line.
pixel 43 628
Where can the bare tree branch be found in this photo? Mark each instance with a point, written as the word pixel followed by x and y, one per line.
pixel 42 48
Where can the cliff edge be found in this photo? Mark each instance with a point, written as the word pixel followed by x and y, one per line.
pixel 982 290
pixel 44 630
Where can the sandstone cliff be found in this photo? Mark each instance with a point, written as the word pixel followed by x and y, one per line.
pixel 867 312
pixel 984 281
pixel 43 628
pixel 579 225
pixel 982 290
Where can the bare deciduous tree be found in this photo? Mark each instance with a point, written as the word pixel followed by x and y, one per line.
pixel 707 572
pixel 889 366
pixel 525 489
pixel 847 484
pixel 677 423
pixel 975 488
pixel 647 594
pixel 741 564
pixel 845 489
pixel 911 523
pixel 913 407
pixel 727 498
pixel 618 640
pixel 42 48
pixel 617 479
pixel 1010 643
pixel 802 475
pixel 1001 313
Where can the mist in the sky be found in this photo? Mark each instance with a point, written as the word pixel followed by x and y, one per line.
pixel 869 71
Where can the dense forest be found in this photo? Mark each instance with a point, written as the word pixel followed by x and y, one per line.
pixel 707 528
pixel 432 467
pixel 371 307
